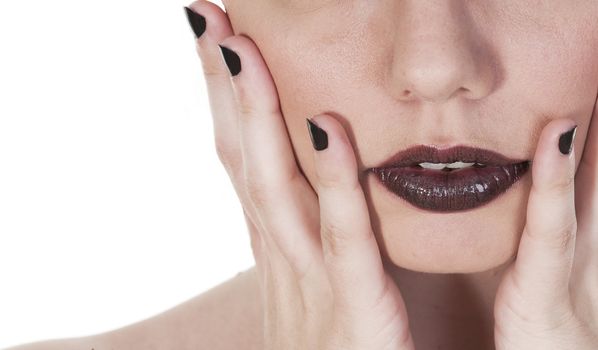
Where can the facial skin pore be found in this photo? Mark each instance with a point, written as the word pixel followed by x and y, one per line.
pixel 487 74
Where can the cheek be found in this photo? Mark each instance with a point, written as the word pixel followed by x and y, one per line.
pixel 565 69
pixel 322 65
pixel 561 82
pixel 553 56
pixel 315 71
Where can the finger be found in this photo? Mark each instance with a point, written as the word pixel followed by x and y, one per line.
pixel 547 246
pixel 262 263
pixel 204 14
pixel 284 201
pixel 351 253
pixel 268 275
pixel 210 25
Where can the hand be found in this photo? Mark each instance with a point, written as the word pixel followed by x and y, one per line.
pixel 321 275
pixel 548 299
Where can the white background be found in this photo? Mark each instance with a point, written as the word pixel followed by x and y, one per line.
pixel 113 204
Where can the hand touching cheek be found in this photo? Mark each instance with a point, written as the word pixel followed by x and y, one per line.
pixel 323 285
pixel 548 298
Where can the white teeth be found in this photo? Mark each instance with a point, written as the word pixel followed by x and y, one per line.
pixel 434 166
pixel 440 166
pixel 459 165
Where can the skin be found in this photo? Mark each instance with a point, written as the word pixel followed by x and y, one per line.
pixel 357 60
pixel 515 274
pixel 391 62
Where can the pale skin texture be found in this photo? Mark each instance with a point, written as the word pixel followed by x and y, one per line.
pixel 519 273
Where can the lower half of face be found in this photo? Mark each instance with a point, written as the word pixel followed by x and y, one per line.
pixel 484 74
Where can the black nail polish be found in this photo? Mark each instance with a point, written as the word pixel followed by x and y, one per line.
pixel 319 137
pixel 196 21
pixel 232 60
pixel 566 141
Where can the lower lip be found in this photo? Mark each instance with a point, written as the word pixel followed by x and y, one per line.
pixel 456 190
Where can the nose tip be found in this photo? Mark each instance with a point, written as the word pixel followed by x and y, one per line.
pixel 440 83
pixel 438 55
pixel 434 83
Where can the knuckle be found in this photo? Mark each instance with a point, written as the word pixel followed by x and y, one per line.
pixel 265 187
pixel 564 186
pixel 251 105
pixel 327 182
pixel 335 237
pixel 335 180
pixel 566 235
pixel 227 154
pixel 560 318
pixel 210 74
pixel 562 237
pixel 213 68
pixel 256 192
pixel 245 105
pixel 332 232
pixel 222 150
pixel 250 102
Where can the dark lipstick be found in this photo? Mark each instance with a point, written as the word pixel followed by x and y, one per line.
pixel 449 190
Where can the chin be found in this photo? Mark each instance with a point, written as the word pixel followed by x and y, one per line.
pixel 468 241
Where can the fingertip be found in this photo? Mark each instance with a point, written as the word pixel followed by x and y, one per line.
pixel 554 160
pixel 231 59
pixel 210 25
pixel 334 156
pixel 216 24
pixel 566 140
pixel 317 135
pixel 327 133
pixel 252 79
pixel 559 136
pixel 333 128
pixel 197 22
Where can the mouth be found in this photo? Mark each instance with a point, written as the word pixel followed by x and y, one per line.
pixel 449 180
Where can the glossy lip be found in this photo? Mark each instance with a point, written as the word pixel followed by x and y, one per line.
pixel 449 190
pixel 423 153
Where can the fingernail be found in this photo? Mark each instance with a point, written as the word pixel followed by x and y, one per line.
pixel 319 138
pixel 196 21
pixel 566 141
pixel 232 60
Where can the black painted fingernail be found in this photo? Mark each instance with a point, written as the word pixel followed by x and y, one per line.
pixel 319 137
pixel 566 141
pixel 196 21
pixel 232 60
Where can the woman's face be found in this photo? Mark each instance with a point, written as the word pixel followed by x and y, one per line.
pixel 488 74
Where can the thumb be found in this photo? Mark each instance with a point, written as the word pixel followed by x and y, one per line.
pixel 547 246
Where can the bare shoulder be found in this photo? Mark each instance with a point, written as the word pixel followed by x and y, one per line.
pixel 228 316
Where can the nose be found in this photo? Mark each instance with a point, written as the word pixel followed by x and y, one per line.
pixel 438 53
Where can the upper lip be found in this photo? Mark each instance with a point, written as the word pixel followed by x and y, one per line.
pixel 423 153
